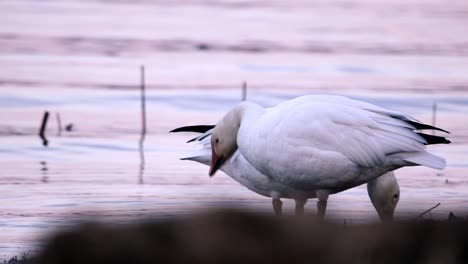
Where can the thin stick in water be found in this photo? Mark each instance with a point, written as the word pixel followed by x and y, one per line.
pixel 45 142
pixel 244 91
pixel 143 101
pixel 59 124
pixel 427 211
pixel 434 114
pixel 143 124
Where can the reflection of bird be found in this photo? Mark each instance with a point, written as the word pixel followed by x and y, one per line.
pixel 382 190
pixel 322 144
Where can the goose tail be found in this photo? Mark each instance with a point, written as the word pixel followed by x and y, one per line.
pixel 423 158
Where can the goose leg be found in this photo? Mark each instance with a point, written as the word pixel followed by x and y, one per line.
pixel 322 196
pixel 300 206
pixel 321 208
pixel 277 206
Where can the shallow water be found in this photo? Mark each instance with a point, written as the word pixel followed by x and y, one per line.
pixel 94 171
pixel 81 59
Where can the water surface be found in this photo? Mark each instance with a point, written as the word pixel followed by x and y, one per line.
pixel 81 59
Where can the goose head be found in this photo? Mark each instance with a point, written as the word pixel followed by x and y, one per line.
pixel 384 193
pixel 224 139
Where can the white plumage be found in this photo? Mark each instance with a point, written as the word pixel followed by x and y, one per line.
pixel 382 191
pixel 322 144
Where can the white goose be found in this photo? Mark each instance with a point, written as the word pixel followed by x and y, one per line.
pixel 384 191
pixel 322 144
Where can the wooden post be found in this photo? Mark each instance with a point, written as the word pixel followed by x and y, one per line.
pixel 59 124
pixel 434 114
pixel 143 124
pixel 244 91
pixel 143 101
pixel 45 118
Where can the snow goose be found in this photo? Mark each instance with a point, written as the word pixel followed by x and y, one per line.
pixel 241 171
pixel 383 191
pixel 323 144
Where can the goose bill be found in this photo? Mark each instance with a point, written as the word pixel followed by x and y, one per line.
pixel 216 162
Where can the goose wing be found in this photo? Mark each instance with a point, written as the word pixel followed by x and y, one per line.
pixel 330 139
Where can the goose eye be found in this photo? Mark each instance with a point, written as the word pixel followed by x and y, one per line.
pixel 217 140
pixel 395 196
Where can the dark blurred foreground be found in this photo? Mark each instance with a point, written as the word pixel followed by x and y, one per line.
pixel 234 237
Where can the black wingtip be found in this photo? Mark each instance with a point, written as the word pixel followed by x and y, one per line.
pixel 420 126
pixel 193 139
pixel 196 129
pixel 434 139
